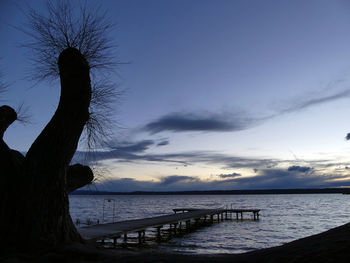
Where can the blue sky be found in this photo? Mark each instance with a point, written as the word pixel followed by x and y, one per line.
pixel 216 94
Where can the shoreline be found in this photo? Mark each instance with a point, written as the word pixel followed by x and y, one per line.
pixel 224 192
pixel 329 246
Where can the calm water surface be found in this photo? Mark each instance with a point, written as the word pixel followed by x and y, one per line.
pixel 283 218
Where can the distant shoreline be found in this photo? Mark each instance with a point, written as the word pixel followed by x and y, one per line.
pixel 222 192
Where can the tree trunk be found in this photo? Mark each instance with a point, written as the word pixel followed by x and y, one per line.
pixel 34 198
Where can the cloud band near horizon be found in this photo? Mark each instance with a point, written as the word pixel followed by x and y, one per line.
pixel 266 179
pixel 231 121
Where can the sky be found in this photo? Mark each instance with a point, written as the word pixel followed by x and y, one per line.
pixel 216 95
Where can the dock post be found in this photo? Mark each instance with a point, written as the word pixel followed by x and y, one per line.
pixel 114 241
pixel 196 220
pixel 175 226
pixel 139 237
pixel 211 219
pixel 236 215
pixel 125 237
pixel 241 215
pixel 226 215
pixel 159 238
pixel 188 225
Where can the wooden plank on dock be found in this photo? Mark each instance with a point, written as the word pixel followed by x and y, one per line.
pixel 219 210
pixel 117 229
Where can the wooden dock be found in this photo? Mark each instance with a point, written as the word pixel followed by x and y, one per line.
pixel 225 211
pixel 183 220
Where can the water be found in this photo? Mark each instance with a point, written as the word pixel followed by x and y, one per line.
pixel 283 218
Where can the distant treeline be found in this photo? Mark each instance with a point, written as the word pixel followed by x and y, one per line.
pixel 223 192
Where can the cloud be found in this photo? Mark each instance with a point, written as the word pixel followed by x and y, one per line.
pixel 131 147
pixel 173 179
pixel 182 122
pixel 163 143
pixel 124 151
pixel 136 152
pixel 266 179
pixel 284 179
pixel 122 156
pixel 347 137
pixel 265 170
pixel 309 102
pixel 297 168
pixel 233 175
pixel 235 120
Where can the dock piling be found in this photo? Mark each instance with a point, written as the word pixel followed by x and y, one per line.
pixel 188 225
pixel 159 238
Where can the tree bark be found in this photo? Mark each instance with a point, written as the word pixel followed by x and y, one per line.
pixel 34 205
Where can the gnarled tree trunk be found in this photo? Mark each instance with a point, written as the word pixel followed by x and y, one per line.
pixel 34 189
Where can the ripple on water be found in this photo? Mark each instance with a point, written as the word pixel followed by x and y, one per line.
pixel 283 218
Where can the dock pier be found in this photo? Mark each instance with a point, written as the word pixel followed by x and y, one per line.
pixel 225 212
pixel 182 221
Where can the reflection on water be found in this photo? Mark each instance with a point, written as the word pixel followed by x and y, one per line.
pixel 283 218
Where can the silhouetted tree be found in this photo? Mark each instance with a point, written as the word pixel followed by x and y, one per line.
pixel 34 188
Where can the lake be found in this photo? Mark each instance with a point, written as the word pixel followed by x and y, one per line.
pixel 283 218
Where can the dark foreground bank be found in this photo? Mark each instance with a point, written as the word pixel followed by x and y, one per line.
pixel 330 246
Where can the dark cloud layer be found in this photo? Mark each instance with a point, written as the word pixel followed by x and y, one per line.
pixel 138 152
pixel 312 101
pixel 174 179
pixel 181 122
pixel 296 168
pixel 347 137
pixel 233 121
pixel 129 154
pixel 233 175
pixel 125 151
pixel 132 147
pixel 266 179
pixel 268 172
pixel 163 143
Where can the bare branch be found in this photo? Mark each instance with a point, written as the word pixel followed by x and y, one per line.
pixel 3 86
pixel 23 114
pixel 86 31
pixel 99 127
